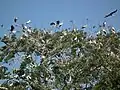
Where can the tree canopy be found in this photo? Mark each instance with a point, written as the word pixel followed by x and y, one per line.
pixel 62 60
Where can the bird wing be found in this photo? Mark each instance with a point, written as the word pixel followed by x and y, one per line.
pixel 114 11
pixel 110 14
pixel 107 15
pixel 52 23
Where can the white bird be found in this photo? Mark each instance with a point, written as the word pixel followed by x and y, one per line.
pixel 29 21
pixel 113 30
pixel 29 30
pixel 104 23
pixel 98 33
pixel 24 27
pixel 60 24
pixel 84 26
pixel 104 31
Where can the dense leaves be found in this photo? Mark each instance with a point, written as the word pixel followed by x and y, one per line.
pixel 67 60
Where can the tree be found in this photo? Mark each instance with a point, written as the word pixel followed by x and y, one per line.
pixel 67 60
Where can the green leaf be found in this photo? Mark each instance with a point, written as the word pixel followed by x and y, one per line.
pixel 9 56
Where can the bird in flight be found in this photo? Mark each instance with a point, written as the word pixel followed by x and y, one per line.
pixel 111 13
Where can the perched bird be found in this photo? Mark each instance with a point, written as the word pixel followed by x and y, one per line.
pixel 15 19
pixel 104 23
pixel 57 22
pixel 98 33
pixel 60 24
pixel 111 13
pixel 23 26
pixel 84 26
pixel 12 28
pixel 104 31
pixel 29 21
pixel 113 30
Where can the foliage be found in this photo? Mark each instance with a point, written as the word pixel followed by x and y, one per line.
pixel 68 60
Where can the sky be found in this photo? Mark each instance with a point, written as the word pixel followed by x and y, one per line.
pixel 42 12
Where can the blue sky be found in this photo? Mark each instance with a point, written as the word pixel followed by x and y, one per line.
pixel 42 12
